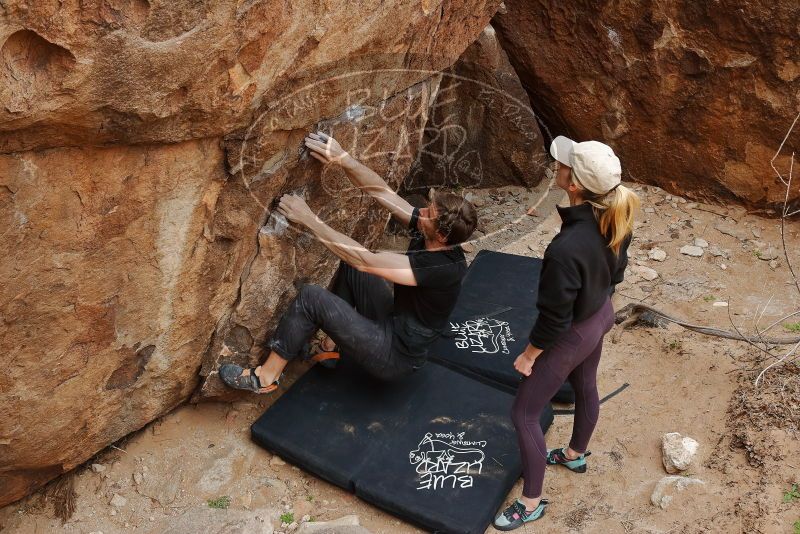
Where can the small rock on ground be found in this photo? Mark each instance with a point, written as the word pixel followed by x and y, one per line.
pixel 162 489
pixel 348 524
pixel 645 272
pixel 118 501
pixel 207 520
pixel 692 250
pixel 340 530
pixel 677 452
pixel 767 253
pixel 666 488
pixel 718 252
pixel 657 254
pixel 731 230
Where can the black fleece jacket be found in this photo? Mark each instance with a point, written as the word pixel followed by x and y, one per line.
pixel 579 273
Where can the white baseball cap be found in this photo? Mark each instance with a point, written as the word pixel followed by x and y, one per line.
pixel 593 163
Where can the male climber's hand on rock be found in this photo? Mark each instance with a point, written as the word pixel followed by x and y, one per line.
pixel 296 210
pixel 325 148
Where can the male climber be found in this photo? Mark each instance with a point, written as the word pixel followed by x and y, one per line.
pixel 386 332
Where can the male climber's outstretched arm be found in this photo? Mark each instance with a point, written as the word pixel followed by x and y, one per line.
pixel 327 150
pixel 389 266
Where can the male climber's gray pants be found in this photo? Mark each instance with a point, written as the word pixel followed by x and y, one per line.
pixel 357 315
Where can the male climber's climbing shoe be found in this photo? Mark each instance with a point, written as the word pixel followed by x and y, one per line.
pixel 516 515
pixel 327 359
pixel 559 457
pixel 232 375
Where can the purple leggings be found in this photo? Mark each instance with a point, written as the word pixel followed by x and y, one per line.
pixel 574 357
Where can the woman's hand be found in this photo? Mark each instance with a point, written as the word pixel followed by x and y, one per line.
pixel 524 362
pixel 325 148
pixel 296 210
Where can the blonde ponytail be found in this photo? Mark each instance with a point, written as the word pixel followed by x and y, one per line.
pixel 614 212
pixel 616 221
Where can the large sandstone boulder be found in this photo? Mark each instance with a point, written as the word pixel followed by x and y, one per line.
pixel 482 131
pixel 142 145
pixel 696 97
pixel 107 300
pixel 131 71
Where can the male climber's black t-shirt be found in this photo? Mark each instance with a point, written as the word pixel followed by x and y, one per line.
pixel 421 311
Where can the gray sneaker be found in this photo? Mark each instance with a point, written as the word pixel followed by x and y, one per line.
pixel 231 375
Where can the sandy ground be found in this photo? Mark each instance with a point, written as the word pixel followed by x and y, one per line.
pixel 161 478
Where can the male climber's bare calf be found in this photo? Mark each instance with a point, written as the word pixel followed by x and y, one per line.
pixel 385 309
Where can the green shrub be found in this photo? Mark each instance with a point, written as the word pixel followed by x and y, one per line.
pixel 220 502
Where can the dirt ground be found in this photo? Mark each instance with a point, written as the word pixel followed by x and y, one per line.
pixel 161 478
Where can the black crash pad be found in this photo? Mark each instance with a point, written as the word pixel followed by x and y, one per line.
pixel 437 449
pixel 495 312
